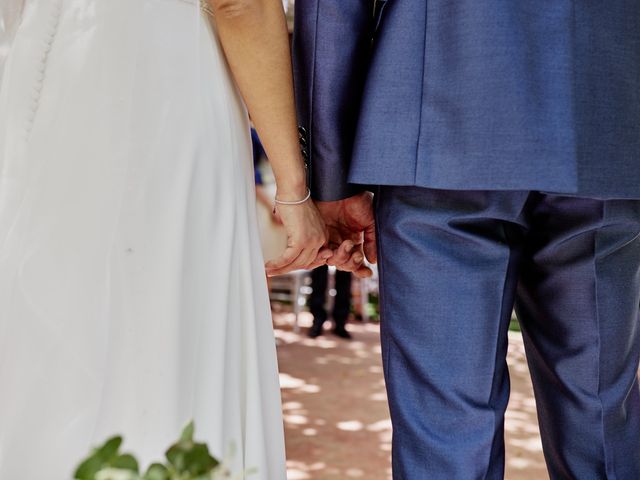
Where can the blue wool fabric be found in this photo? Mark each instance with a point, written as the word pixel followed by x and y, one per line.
pixel 471 94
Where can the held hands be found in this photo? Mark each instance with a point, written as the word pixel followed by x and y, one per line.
pixel 344 241
pixel 352 233
pixel 306 237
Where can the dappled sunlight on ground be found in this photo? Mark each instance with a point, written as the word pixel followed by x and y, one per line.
pixel 336 415
pixel 334 404
pixel 522 436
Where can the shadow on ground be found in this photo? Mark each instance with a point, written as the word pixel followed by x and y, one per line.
pixel 336 415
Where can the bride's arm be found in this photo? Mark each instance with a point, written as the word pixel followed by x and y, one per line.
pixel 255 40
pixel 254 37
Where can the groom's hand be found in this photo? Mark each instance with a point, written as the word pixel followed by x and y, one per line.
pixel 352 233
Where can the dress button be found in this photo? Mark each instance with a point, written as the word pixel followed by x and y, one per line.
pixel 305 154
pixel 302 130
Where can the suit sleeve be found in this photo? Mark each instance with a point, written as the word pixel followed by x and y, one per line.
pixel 332 42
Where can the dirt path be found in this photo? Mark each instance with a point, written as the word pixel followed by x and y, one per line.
pixel 336 416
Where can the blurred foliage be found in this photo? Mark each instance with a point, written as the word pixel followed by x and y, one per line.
pixel 185 460
pixel 514 326
pixel 373 307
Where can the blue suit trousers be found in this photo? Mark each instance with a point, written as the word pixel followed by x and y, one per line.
pixel 453 264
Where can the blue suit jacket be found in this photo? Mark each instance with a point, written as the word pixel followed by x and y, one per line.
pixel 470 94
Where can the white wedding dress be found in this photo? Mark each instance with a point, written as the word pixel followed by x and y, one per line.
pixel 132 292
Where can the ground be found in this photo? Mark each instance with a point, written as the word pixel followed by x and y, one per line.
pixel 336 415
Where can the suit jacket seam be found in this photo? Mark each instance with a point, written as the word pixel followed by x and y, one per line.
pixel 310 140
pixel 422 94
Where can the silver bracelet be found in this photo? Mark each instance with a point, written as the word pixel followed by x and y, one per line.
pixel 294 202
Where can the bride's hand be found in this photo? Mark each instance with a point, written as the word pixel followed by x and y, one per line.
pixel 306 237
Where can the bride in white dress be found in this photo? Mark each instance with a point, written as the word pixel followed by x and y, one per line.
pixel 132 288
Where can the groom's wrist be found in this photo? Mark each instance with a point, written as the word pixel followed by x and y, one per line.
pixel 332 190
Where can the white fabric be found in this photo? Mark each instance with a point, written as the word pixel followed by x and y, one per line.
pixel 10 13
pixel 132 292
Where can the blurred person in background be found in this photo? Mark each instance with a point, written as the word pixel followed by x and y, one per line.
pixel 341 302
pixel 262 195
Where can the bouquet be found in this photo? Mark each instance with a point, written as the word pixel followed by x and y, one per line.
pixel 185 460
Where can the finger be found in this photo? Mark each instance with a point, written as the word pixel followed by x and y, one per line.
pixel 282 271
pixel 321 259
pixel 363 272
pixel 316 264
pixel 277 273
pixel 342 254
pixel 306 257
pixel 354 263
pixel 356 266
pixel 325 252
pixel 371 244
pixel 288 257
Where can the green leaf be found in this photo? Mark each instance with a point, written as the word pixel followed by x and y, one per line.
pixel 157 472
pixel 187 460
pixel 176 456
pixel 99 458
pixel 191 458
pixel 126 462
pixel 88 468
pixel 110 449
pixel 199 460
pixel 188 432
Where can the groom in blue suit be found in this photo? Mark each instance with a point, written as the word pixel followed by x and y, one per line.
pixel 502 141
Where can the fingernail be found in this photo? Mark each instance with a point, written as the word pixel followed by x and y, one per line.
pixel 349 248
pixel 358 258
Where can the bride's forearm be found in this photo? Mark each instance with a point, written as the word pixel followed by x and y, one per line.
pixel 254 36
